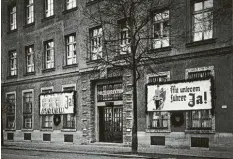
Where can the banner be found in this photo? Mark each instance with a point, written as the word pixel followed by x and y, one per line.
pixel 57 103
pixel 191 95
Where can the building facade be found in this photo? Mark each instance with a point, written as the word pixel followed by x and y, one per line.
pixel 44 55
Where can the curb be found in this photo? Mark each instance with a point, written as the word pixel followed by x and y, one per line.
pixel 81 152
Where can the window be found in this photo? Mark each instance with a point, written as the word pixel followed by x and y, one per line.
pixel 10 110
pixel 27 109
pixel 202 20
pixel 49 54
pixel 96 43
pixel 158 119
pixel 69 119
pixel 161 30
pixel 200 119
pixel 13 63
pixel 70 4
pixel 49 10
pixel 30 59
pixel 124 37
pixel 13 21
pixel 47 120
pixel 71 56
pixel 29 11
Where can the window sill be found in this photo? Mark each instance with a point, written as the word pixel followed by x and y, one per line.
pixel 26 130
pixel 69 10
pixel 29 73
pixel 69 66
pixel 12 77
pixel 48 70
pixel 93 61
pixel 46 129
pixel 121 56
pixel 199 131
pixel 68 130
pixel 9 129
pixel 162 49
pixel 92 2
pixel 28 25
pixel 47 18
pixel 165 130
pixel 202 42
pixel 12 31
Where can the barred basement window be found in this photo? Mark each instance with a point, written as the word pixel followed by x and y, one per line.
pixel 10 111
pixel 200 119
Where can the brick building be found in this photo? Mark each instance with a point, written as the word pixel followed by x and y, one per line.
pixel 43 56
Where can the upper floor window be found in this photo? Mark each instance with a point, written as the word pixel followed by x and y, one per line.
pixel 124 37
pixel 27 109
pixel 13 63
pixel 49 8
pixel 200 119
pixel 71 56
pixel 49 54
pixel 202 20
pixel 70 4
pixel 161 30
pixel 29 11
pixel 10 110
pixel 96 43
pixel 13 21
pixel 30 59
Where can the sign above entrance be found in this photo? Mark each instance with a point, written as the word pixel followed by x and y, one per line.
pixel 57 103
pixel 187 95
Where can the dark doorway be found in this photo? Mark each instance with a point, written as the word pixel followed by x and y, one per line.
pixel 110 124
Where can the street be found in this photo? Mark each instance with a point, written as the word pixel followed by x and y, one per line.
pixel 26 154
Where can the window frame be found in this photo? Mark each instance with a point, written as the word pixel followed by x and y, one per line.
pixel 51 8
pixel 10 68
pixel 11 17
pixel 189 128
pixel 202 11
pixel 148 116
pixel 66 2
pixel 65 127
pixel 27 12
pixel 41 116
pixel 124 43
pixel 11 114
pixel 27 53
pixel 51 56
pixel 160 22
pixel 73 52
pixel 96 43
pixel 25 114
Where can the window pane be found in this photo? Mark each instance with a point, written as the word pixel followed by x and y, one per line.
pixel 197 36
pixel 198 6
pixel 208 4
pixel 208 34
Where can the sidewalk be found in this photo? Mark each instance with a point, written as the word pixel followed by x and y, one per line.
pixel 114 150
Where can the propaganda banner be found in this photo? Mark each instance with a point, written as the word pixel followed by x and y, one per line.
pixel 187 95
pixel 57 103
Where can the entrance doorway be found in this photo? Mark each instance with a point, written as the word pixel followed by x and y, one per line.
pixel 110 124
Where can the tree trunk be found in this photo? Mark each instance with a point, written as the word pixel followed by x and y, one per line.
pixel 134 130
pixel 2 137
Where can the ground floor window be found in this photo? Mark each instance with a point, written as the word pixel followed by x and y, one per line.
pixel 47 121
pixel 200 119
pixel 68 121
pixel 158 120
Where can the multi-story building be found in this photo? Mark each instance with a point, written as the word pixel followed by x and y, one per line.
pixel 46 69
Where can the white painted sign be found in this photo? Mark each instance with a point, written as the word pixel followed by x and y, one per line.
pixel 57 103
pixel 192 95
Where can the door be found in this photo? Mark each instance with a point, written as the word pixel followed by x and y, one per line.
pixel 110 124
